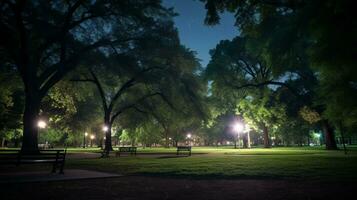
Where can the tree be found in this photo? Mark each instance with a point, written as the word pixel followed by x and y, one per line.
pixel 11 104
pixel 240 67
pixel 306 27
pixel 46 40
pixel 153 66
pixel 262 112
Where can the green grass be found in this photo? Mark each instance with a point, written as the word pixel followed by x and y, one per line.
pixel 313 163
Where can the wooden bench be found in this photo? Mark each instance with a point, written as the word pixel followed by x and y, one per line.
pixel 131 150
pixel 16 157
pixel 184 148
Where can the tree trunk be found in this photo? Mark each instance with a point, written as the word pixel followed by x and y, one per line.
pixel 3 142
pixel 245 141
pixel 248 140
pixel 108 133
pixel 30 119
pixel 266 137
pixel 329 135
pixel 166 139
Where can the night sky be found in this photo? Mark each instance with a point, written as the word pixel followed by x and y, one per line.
pixel 194 34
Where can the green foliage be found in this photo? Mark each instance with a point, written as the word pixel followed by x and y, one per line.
pixel 258 112
pixel 309 115
pixel 303 36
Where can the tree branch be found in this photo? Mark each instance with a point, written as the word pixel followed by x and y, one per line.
pixel 100 89
pixel 131 82
pixel 132 105
pixel 257 85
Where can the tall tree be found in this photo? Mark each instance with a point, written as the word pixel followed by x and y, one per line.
pixel 153 66
pixel 324 30
pixel 45 40
pixel 240 67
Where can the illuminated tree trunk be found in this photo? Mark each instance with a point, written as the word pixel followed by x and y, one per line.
pixel 329 135
pixel 166 139
pixel 266 137
pixel 3 142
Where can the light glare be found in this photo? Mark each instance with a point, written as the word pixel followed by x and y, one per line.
pixel 105 128
pixel 41 124
pixel 238 127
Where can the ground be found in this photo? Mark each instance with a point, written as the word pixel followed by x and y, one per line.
pixel 211 173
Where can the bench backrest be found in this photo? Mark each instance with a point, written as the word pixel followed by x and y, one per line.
pixel 6 154
pixel 9 154
pixel 188 148
pixel 127 149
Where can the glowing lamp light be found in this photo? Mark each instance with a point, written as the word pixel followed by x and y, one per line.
pixel 92 137
pixel 238 127
pixel 41 124
pixel 105 128
pixel 189 135
pixel 86 134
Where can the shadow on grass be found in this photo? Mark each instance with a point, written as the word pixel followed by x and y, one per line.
pixel 217 176
pixel 173 156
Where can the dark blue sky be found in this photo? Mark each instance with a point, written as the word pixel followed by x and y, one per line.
pixel 194 34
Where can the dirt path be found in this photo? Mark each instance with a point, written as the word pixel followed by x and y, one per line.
pixel 145 187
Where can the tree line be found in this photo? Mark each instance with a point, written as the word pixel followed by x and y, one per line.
pixel 118 69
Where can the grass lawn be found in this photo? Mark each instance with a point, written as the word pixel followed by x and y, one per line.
pixel 311 163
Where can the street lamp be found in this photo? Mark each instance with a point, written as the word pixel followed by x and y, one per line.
pixel 238 127
pixel 91 140
pixel 84 139
pixel 273 140
pixel 188 136
pixel 105 128
pixel 41 125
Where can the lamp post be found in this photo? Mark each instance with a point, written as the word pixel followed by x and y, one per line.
pixel 105 129
pixel 188 136
pixel 237 127
pixel 41 125
pixel 84 139
pixel 91 140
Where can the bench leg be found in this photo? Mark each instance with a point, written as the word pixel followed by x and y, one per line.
pixel 54 167
pixel 61 169
pixel 105 154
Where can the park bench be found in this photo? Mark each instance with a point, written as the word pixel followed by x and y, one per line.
pixel 183 148
pixel 131 150
pixel 16 157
